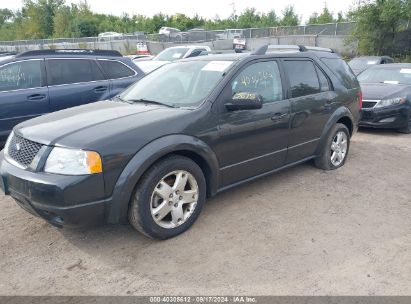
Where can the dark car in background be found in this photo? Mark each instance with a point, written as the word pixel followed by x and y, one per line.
pixel 186 131
pixel 359 64
pixel 387 97
pixel 34 83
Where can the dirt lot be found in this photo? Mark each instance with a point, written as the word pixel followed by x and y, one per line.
pixel 301 232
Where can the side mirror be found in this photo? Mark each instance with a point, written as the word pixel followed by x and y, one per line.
pixel 245 101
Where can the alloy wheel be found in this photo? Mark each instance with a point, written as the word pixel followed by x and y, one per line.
pixel 339 147
pixel 174 199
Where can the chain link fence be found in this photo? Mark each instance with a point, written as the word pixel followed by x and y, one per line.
pixel 342 28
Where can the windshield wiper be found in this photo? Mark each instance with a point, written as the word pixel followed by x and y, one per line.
pixel 119 98
pixel 151 101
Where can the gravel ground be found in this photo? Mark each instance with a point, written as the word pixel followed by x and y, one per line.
pixel 302 231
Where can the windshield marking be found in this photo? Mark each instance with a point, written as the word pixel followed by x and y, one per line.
pixel 217 66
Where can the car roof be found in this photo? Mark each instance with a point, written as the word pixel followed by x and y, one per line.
pixel 188 46
pixel 271 54
pixel 218 57
pixel 371 57
pixel 69 53
pixel 391 66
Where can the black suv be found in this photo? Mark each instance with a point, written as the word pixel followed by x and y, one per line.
pixel 34 83
pixel 187 131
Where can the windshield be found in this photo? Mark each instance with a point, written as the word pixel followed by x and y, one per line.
pixel 171 54
pixel 179 84
pixel 362 63
pixel 386 75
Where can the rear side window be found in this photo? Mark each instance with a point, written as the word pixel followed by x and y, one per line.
pixel 342 71
pixel 302 76
pixel 115 69
pixel 21 75
pixel 325 86
pixel 66 71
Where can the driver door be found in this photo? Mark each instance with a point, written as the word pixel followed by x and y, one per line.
pixel 254 141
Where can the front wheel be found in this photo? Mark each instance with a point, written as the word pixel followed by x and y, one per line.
pixel 335 151
pixel 406 129
pixel 169 198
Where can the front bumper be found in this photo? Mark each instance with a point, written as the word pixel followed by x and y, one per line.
pixel 394 117
pixel 59 199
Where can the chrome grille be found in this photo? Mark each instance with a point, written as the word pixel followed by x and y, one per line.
pixel 22 150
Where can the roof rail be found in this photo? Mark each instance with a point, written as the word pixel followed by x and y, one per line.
pixel 70 52
pixel 289 47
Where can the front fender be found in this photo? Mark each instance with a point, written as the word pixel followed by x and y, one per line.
pixel 335 117
pixel 147 156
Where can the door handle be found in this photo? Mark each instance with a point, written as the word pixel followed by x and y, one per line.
pixel 36 97
pixel 278 116
pixel 100 89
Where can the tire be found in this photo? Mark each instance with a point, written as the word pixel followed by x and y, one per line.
pixel 176 213
pixel 407 129
pixel 324 161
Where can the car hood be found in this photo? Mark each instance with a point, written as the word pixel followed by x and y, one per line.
pixel 83 125
pixel 150 65
pixel 378 91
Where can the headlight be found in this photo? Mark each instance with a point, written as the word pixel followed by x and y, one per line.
pixel 390 102
pixel 73 162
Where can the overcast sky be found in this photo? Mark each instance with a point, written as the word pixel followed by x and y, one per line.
pixel 207 8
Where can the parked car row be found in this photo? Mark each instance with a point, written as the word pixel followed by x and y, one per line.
pixel 38 82
pixel 169 34
pixel 198 125
pixel 359 64
pixel 171 54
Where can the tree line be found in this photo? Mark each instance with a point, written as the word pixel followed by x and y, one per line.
pixel 38 19
pixel 377 29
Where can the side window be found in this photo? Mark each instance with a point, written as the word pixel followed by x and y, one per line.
pixel 340 68
pixel 21 75
pixel 115 69
pixel 262 78
pixel 66 71
pixel 194 53
pixel 303 77
pixel 324 85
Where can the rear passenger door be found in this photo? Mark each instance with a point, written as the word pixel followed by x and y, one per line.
pixel 311 98
pixel 23 93
pixel 120 75
pixel 75 81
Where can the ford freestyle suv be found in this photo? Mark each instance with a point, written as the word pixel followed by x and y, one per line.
pixel 39 82
pixel 189 130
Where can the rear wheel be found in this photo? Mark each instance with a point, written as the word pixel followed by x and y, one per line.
pixel 335 150
pixel 169 198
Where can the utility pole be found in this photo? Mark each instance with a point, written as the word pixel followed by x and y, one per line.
pixel 232 4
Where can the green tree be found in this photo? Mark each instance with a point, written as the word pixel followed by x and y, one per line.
pixel 62 22
pixel 5 15
pixel 270 19
pixel 290 17
pixel 325 17
pixel 340 17
pixel 249 18
pixel 377 24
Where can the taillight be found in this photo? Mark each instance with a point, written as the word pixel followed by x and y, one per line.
pixel 359 94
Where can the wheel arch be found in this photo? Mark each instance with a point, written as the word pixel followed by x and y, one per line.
pixel 183 145
pixel 341 115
